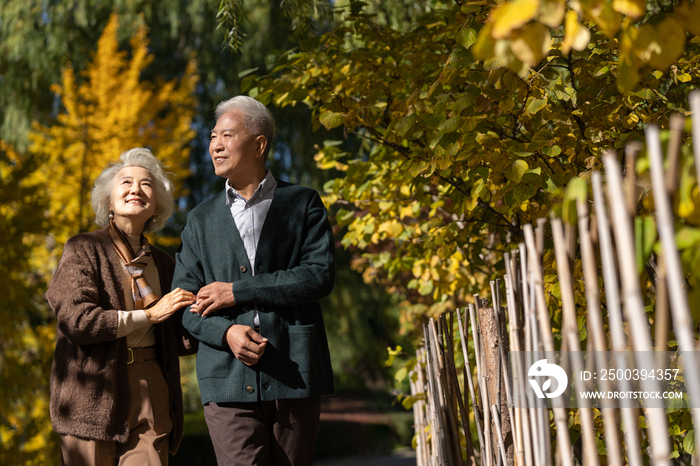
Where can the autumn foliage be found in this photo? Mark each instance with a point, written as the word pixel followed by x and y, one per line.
pixel 470 124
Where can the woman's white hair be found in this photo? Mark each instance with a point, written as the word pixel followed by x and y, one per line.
pixel 257 118
pixel 104 185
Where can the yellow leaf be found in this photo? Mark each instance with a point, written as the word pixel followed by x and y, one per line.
pixel 551 12
pixel 631 8
pixel 531 44
pixel 627 76
pixel 671 40
pixel 483 48
pixel 688 15
pixel 509 16
pixel 576 35
pixel 607 19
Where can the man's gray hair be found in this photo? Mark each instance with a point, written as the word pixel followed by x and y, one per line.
pixel 104 186
pixel 257 118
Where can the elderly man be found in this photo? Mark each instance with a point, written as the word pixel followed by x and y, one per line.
pixel 259 256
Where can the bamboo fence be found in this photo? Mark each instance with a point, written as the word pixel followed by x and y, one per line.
pixel 513 426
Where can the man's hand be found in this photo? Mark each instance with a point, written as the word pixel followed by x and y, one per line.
pixel 247 345
pixel 212 297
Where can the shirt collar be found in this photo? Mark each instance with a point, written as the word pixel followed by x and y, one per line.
pixel 263 188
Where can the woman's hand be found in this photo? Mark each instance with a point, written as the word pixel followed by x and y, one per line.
pixel 168 304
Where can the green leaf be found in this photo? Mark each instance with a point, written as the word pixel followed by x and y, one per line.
pixel 466 37
pixel 689 442
pixel 534 105
pixel 401 374
pixel 577 189
pixel 331 119
pixel 516 170
pixel 450 125
pixel 405 124
pixel 245 73
pixel 688 237
pixel 552 151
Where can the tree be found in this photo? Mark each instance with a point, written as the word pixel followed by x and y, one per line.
pixel 26 340
pixel 112 111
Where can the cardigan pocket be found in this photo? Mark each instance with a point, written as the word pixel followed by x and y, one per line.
pixel 303 344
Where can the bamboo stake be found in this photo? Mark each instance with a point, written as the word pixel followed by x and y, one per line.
pixel 523 451
pixel 680 311
pixel 540 441
pixel 631 151
pixel 676 126
pixel 483 392
pixel 437 456
pixel 560 417
pixel 694 99
pixel 442 396
pixel 597 332
pixel 417 388
pixel 503 360
pixel 662 311
pixel 453 396
pixel 607 255
pixel 470 382
pixel 570 328
pixel 487 414
pixel 497 424
pixel 634 307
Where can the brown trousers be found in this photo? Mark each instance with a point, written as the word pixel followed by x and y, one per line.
pixel 149 424
pixel 267 433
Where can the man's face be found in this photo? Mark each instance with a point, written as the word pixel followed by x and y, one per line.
pixel 234 151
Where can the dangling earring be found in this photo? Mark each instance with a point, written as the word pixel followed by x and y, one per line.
pixel 111 215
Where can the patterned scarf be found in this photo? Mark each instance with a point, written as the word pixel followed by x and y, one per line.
pixel 143 294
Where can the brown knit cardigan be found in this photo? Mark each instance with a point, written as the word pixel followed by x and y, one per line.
pixel 89 385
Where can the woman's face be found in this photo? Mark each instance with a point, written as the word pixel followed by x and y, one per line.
pixel 133 199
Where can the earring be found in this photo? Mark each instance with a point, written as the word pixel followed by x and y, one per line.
pixel 111 215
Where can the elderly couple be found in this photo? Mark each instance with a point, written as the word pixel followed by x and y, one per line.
pixel 253 264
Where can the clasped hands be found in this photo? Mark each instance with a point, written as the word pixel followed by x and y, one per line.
pixel 246 344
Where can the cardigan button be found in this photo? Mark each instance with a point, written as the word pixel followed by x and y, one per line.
pixel 242 268
pixel 249 389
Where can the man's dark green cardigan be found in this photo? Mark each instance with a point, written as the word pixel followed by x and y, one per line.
pixel 294 269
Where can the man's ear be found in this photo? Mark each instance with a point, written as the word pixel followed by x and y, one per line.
pixel 260 146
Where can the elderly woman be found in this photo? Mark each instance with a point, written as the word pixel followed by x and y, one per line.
pixel 115 381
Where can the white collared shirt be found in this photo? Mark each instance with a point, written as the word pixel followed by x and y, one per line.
pixel 249 215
